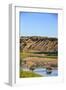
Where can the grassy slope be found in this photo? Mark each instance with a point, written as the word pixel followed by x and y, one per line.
pixel 25 74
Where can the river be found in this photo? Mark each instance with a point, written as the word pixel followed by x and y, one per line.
pixel 42 72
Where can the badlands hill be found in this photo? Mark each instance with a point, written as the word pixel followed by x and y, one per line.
pixel 37 43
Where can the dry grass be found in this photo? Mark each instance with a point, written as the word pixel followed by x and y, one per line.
pixel 39 59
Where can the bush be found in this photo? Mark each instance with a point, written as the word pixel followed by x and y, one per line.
pixel 32 68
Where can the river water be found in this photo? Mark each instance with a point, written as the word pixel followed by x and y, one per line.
pixel 42 72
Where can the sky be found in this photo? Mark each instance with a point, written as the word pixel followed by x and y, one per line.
pixel 38 24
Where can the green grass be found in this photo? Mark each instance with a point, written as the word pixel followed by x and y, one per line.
pixel 25 74
pixel 52 55
pixel 49 53
pixel 24 54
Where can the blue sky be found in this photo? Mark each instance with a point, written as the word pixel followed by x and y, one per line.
pixel 38 24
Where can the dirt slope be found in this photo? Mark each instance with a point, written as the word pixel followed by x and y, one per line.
pixel 37 43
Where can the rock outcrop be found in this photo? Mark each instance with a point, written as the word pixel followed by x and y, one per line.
pixel 43 44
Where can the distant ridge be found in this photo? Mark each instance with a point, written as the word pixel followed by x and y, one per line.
pixel 39 43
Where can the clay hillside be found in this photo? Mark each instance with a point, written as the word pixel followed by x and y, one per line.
pixel 37 43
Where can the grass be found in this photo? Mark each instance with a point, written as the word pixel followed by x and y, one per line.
pixel 25 74
pixel 24 54
pixel 52 57
pixel 37 58
pixel 34 54
pixel 49 53
pixel 40 59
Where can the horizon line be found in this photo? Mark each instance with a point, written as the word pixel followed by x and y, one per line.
pixel 39 36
